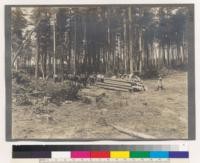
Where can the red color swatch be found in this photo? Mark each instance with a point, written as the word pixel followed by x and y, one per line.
pixel 100 154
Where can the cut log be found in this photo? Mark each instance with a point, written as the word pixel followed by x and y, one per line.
pixel 112 88
pixel 117 80
pixel 114 85
pixel 117 83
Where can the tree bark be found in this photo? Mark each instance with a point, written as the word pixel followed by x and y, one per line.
pixel 140 51
pixel 130 39
pixel 54 49
pixel 125 44
pixel 37 62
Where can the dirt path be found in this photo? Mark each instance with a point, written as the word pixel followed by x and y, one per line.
pixel 111 115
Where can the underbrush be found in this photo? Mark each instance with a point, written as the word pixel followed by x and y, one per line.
pixel 154 72
pixel 26 89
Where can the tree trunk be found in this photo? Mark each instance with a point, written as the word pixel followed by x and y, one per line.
pixel 62 63
pixel 75 50
pixel 140 51
pixel 37 62
pixel 49 63
pixel 109 42
pixel 125 44
pixel 54 50
pixel 45 62
pixel 130 39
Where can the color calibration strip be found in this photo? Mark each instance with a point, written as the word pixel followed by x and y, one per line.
pixel 128 154
pixel 102 154
pixel 90 152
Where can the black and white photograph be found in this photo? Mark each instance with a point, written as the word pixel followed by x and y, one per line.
pixel 99 72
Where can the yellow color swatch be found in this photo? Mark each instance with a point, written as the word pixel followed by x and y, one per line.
pixel 119 154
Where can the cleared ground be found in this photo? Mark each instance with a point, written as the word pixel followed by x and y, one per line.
pixel 104 114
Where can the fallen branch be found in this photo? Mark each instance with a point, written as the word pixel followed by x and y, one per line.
pixel 132 133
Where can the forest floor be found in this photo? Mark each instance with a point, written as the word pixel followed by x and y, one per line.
pixel 111 115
